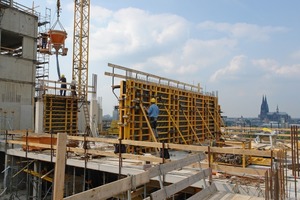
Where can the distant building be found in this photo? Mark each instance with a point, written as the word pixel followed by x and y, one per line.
pixel 115 113
pixel 266 116
pixel 264 109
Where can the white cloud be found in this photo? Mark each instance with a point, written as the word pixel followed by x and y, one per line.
pixel 234 66
pixel 273 68
pixel 242 30
pixel 295 55
pixel 131 30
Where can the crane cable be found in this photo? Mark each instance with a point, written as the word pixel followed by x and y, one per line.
pixel 57 66
pixel 57 62
pixel 58 8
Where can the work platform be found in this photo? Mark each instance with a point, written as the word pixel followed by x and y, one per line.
pixel 100 159
pixel 132 167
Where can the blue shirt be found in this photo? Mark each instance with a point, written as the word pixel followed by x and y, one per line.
pixel 153 111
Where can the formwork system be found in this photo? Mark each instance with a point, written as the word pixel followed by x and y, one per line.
pixel 187 115
pixel 60 114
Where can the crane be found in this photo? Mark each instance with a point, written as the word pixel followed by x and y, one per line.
pixel 81 46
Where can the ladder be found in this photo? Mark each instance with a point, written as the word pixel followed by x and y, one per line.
pixel 86 117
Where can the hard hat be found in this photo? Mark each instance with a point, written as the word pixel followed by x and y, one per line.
pixel 62 75
pixel 153 100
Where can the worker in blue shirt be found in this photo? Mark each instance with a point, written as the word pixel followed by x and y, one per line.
pixel 153 112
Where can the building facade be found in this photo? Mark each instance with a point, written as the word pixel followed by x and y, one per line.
pixel 267 116
pixel 18 41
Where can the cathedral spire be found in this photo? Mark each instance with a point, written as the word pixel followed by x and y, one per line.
pixel 264 108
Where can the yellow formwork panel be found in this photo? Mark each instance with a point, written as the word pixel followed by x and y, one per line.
pixel 60 114
pixel 186 116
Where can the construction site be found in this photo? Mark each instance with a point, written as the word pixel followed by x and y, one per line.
pixel 52 146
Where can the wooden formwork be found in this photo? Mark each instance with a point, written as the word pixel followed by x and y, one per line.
pixel 187 115
pixel 60 114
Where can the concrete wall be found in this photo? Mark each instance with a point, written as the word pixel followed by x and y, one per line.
pixel 17 73
pixel 19 22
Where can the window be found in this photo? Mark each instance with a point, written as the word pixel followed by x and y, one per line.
pixel 11 44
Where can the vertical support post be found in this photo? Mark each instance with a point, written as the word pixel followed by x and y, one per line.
pixel 163 152
pixel 27 175
pixel 74 181
pixel 35 181
pixel 85 155
pixel 51 151
pixel 297 150
pixel 209 165
pixel 286 168
pixel 145 191
pixel 271 175
pixel 6 162
pixel 128 194
pixel 276 184
pixel 6 143
pixel 244 157
pixel 120 157
pixel 59 173
pixel 292 149
pixel 163 160
pixel 266 185
pixel 12 138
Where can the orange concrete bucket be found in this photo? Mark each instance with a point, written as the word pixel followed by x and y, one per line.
pixel 57 37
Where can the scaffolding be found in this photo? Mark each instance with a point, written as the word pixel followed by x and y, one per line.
pixel 43 58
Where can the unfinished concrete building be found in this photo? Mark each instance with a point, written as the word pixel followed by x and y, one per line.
pixel 18 33
pixel 55 160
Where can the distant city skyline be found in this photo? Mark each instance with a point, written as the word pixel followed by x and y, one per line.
pixel 242 49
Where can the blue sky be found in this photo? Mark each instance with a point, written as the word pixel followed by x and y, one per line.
pixel 242 49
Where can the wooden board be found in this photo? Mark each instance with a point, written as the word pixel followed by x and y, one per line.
pixel 167 167
pixel 172 189
pixel 206 192
pixel 59 173
pixel 113 188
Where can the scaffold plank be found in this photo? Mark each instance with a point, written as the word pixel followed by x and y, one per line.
pixel 172 189
pixel 203 194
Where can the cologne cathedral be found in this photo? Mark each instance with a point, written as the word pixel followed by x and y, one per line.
pixel 267 116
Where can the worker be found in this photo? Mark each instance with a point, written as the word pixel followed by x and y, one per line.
pixel 63 85
pixel 73 87
pixel 153 112
pixel 44 40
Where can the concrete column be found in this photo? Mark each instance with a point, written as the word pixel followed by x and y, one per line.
pixel 94 117
pixel 5 172
pixel 35 181
pixel 39 117
pixel 94 108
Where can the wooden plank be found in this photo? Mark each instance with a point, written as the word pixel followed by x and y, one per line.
pixel 59 173
pixel 206 192
pixel 167 167
pixel 113 188
pixel 148 123
pixel 172 189
pixel 196 148
pixel 46 146
pixel 233 169
pixel 112 154
pixel 251 152
pixel 91 151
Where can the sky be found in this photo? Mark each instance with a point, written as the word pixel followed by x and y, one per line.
pixel 240 49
